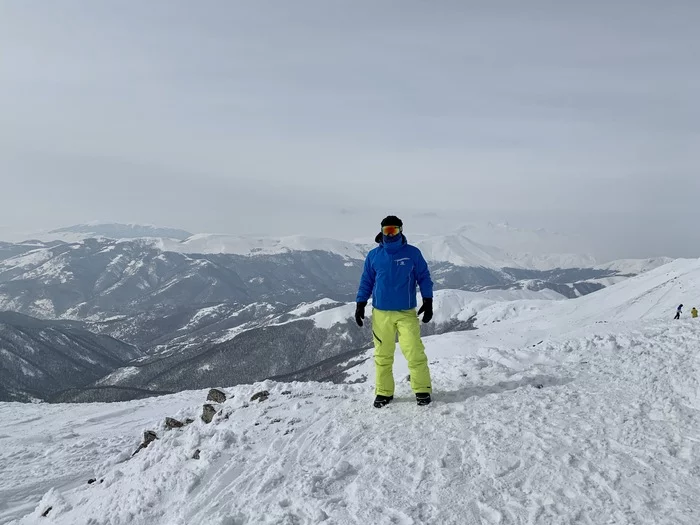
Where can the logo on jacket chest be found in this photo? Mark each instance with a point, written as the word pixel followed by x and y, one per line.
pixel 402 262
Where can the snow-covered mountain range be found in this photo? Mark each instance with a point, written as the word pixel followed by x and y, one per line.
pixel 454 248
pixel 571 411
pixel 38 358
pixel 114 230
pixel 98 278
pixel 487 245
pixel 315 341
pixel 186 312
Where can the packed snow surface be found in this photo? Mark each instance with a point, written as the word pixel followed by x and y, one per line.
pixel 584 411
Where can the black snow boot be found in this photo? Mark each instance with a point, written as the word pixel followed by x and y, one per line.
pixel 423 399
pixel 381 401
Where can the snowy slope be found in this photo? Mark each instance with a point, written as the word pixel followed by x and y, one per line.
pixel 646 298
pixel 449 305
pixel 553 412
pixel 651 295
pixel 455 305
pixel 600 429
pixel 634 266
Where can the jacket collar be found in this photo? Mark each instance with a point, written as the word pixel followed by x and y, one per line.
pixel 391 247
pixel 379 239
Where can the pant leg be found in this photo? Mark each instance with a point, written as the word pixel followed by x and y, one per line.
pixel 384 332
pixel 414 351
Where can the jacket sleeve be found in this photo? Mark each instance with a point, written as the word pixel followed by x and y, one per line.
pixel 425 283
pixel 366 281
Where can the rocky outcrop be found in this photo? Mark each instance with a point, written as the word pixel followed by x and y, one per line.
pixel 216 395
pixel 208 412
pixel 260 396
pixel 148 437
pixel 171 423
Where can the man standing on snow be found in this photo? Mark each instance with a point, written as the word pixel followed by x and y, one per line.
pixel 391 272
pixel 679 311
pixel 694 312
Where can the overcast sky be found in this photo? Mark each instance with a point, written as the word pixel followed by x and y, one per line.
pixel 320 117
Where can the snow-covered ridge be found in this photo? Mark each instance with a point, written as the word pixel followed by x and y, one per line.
pixel 651 296
pixel 516 240
pixel 462 251
pixel 121 231
pixel 255 245
pixel 492 246
pixel 634 266
pixel 453 248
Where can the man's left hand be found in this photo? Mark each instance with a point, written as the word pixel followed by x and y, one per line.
pixel 426 309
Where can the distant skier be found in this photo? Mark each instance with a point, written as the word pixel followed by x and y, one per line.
pixel 679 311
pixel 390 275
pixel 694 312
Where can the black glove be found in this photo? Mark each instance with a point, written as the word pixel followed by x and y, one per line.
pixel 360 313
pixel 426 309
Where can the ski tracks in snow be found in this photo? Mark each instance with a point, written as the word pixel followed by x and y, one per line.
pixel 607 436
pixel 603 429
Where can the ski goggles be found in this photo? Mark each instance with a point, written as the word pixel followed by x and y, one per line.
pixel 390 231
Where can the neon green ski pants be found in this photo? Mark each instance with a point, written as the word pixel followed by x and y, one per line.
pixel 385 325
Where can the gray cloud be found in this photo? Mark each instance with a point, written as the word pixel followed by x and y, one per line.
pixel 268 116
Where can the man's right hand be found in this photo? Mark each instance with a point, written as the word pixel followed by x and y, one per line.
pixel 360 313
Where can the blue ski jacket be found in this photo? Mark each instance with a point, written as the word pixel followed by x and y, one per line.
pixel 390 276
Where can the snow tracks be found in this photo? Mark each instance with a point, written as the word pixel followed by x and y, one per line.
pixel 604 429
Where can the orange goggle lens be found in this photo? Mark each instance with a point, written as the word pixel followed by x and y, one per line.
pixel 391 230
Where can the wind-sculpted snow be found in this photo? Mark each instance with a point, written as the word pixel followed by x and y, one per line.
pixel 597 428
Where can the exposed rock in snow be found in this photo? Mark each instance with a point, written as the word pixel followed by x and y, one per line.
pixel 216 395
pixel 171 423
pixel 260 396
pixel 148 437
pixel 208 413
